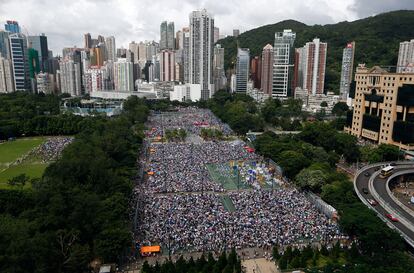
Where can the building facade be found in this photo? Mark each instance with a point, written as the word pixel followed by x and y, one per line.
pixel 12 26
pixel 39 43
pixel 201 52
pixel 383 107
pixel 347 70
pixel 186 54
pixel 256 71
pixel 6 76
pixel 283 63
pixel 406 57
pixel 70 77
pixel 110 48
pixel 267 69
pixel 4 44
pixel 242 69
pixel 123 75
pixel 20 63
pixel 167 66
pixel 219 74
pixel 311 67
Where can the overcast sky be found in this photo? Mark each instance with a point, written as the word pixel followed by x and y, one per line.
pixel 65 21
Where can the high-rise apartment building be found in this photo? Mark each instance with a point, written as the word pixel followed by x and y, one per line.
pixel 216 34
pixel 6 76
pixel 347 70
pixel 179 40
pixel 267 69
pixel 201 52
pixel 70 77
pixel 39 43
pixel 283 58
pixel 19 57
pixel 219 74
pixel 44 83
pixel 167 65
pixel 97 56
pixel 242 69
pixel 142 53
pixel 12 26
pixel 87 40
pixel 256 71
pixel 167 34
pixel 110 48
pixel 95 79
pixel 123 75
pixel 405 62
pixel 383 107
pixel 4 44
pixel 312 66
pixel 134 48
pixel 186 54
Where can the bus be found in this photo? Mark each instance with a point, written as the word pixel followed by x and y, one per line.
pixel 386 171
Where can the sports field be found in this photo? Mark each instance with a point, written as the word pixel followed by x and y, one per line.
pixel 11 151
pixel 224 175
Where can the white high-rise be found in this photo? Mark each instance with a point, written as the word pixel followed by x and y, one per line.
pixel 201 52
pixel 406 57
pixel 110 48
pixel 242 69
pixel 186 54
pixel 123 75
pixel 70 76
pixel 347 70
pixel 134 48
pixel 6 76
pixel 283 56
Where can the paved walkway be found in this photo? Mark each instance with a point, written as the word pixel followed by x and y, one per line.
pixel 260 265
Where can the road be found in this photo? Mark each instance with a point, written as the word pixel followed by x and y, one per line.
pixel 386 204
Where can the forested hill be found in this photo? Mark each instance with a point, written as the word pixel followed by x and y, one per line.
pixel 377 40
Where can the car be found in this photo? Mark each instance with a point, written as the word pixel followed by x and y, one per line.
pixel 367 174
pixel 393 164
pixel 372 202
pixel 391 217
pixel 377 169
pixel 365 190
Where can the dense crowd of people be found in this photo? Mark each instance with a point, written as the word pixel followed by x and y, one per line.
pixel 190 118
pixel 51 149
pixel 182 208
pixel 199 222
pixel 175 167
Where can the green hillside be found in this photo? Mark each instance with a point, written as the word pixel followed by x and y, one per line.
pixel 377 40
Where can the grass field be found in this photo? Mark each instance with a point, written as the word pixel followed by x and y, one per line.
pixel 227 203
pixel 12 150
pixel 223 174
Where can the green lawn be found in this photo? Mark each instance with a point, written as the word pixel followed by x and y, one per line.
pixel 12 150
pixel 227 203
pixel 32 170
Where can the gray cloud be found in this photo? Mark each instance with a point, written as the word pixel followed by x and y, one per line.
pixel 364 8
pixel 65 21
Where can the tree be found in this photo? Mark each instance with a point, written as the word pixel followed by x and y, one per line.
pixel 292 162
pixel 310 179
pixel 324 104
pixel 18 181
pixel 340 109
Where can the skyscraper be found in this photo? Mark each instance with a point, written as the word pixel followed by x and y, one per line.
pixel 163 35
pixel 267 69
pixel 216 34
pixel 219 75
pixel 123 75
pixel 12 26
pixel 87 40
pixel 111 48
pixel 4 44
pixel 6 76
pixel 179 40
pixel 201 49
pixel 142 53
pixel 167 65
pixel 242 69
pixel 283 57
pixel 170 36
pixel 406 57
pixel 186 54
pixel 256 71
pixel 97 56
pixel 18 52
pixel 347 69
pixel 39 43
pixel 133 47
pixel 70 77
pixel 312 65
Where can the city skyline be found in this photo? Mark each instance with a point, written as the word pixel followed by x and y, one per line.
pixel 127 21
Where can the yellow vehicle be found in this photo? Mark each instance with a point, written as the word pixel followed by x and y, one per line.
pixel 387 171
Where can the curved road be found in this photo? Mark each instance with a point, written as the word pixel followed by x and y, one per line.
pixel 368 178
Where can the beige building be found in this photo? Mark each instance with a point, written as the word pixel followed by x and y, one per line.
pixel 383 107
